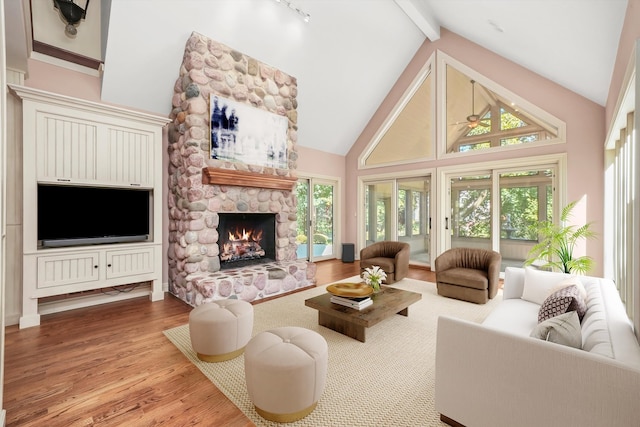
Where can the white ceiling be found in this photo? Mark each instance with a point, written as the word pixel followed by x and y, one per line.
pixel 347 58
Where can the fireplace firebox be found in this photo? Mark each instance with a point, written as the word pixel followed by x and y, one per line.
pixel 246 239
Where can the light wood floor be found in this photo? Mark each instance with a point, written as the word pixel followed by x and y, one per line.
pixel 110 365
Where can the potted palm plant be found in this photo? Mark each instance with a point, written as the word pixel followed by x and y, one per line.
pixel 557 242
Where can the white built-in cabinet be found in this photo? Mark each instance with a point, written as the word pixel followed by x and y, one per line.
pixel 68 141
pixel 88 151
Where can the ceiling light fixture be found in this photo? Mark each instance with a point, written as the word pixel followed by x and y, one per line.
pixel 474 120
pixel 71 13
pixel 305 16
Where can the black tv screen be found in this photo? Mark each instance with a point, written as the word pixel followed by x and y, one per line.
pixel 73 216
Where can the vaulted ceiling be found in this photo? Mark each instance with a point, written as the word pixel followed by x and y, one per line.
pixel 346 58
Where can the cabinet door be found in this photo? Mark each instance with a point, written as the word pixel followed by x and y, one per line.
pixel 66 148
pixel 129 262
pixel 68 269
pixel 129 157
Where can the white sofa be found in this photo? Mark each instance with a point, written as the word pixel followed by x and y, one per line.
pixel 494 374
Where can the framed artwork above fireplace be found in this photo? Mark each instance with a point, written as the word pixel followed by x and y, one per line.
pixel 242 133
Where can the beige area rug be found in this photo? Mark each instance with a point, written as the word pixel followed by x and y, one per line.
pixel 386 381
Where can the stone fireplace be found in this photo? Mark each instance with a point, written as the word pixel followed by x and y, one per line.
pixel 205 191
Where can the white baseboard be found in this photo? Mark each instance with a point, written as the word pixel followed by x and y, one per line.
pixel 29 321
pixel 11 319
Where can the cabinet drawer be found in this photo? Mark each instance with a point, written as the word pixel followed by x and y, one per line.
pixel 67 269
pixel 129 262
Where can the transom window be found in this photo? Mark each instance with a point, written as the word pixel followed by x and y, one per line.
pixel 471 114
pixel 479 118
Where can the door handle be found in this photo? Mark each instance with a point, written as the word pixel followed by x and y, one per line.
pixel 446 223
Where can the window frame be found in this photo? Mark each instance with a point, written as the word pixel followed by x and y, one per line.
pixel 443 60
pixel 559 161
pixel 621 201
pixel 427 69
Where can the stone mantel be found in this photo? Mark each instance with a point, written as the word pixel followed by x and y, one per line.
pixel 217 176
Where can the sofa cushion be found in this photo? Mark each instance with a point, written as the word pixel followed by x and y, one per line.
pixel 515 316
pixel 538 284
pixel 513 285
pixel 563 329
pixel 562 301
pixel 387 264
pixel 595 325
pixel 624 344
pixel 468 277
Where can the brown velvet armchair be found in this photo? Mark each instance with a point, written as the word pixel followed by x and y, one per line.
pixel 468 274
pixel 392 257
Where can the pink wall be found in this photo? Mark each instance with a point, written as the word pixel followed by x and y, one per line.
pixel 584 120
pixel 316 162
pixel 64 81
pixel 630 32
pixel 60 80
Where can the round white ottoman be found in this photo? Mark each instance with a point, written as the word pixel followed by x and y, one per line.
pixel 220 330
pixel 286 369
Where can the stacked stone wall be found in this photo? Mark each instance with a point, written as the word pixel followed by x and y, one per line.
pixel 210 67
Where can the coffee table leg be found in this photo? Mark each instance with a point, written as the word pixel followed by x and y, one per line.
pixel 404 312
pixel 339 325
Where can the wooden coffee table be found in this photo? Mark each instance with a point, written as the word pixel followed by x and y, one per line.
pixel 352 322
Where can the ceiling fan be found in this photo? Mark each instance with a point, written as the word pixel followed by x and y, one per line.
pixel 473 120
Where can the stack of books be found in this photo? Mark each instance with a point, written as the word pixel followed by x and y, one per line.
pixel 357 303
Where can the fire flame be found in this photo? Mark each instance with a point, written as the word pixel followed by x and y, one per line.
pixel 242 244
pixel 245 235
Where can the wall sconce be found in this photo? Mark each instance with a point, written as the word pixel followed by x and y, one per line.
pixel 71 13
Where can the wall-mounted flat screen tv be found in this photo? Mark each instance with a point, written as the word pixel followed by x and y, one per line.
pixel 77 216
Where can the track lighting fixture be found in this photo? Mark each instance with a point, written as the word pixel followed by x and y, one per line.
pixel 305 16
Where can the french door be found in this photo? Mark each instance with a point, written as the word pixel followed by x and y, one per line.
pixel 379 206
pixel 499 209
pixel 316 234
pixel 468 223
pixel 399 209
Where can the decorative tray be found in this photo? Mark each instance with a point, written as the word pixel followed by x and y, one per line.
pixel 350 290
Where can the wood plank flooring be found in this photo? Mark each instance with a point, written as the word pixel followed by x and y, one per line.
pixel 110 365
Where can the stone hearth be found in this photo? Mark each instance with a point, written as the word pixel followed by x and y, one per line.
pixel 197 194
pixel 249 283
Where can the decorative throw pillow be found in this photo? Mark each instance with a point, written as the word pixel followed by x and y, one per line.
pixel 538 284
pixel 563 329
pixel 563 301
pixel 574 280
